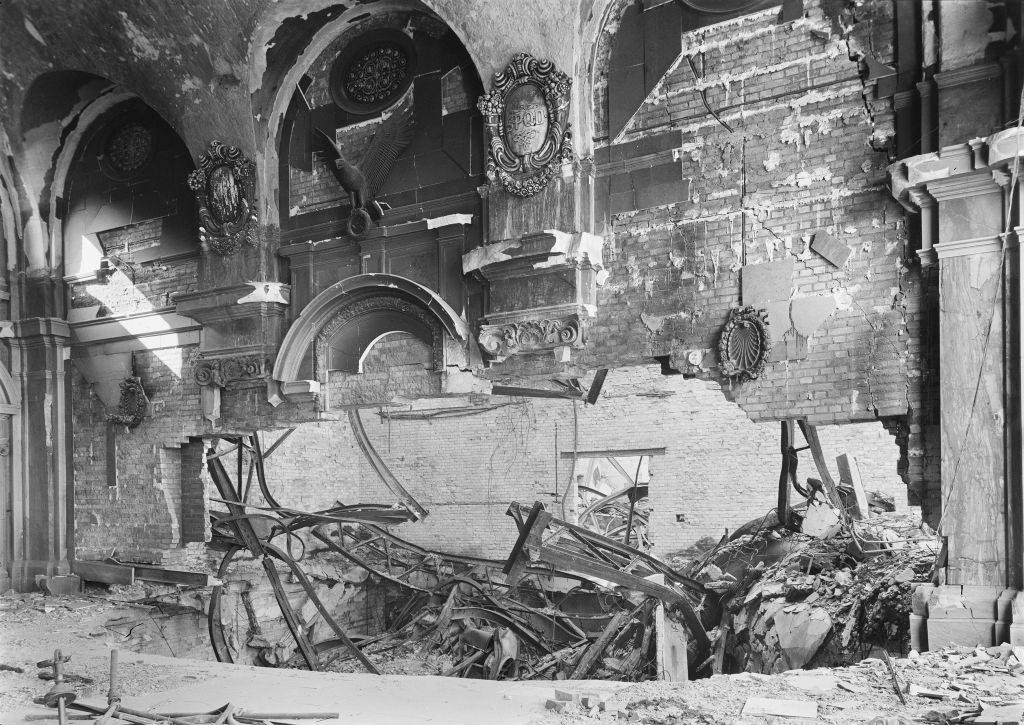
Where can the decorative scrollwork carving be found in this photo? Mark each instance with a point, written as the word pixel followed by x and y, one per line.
pixel 224 185
pixel 221 371
pixel 133 404
pixel 373 71
pixel 745 344
pixel 526 116
pixel 531 336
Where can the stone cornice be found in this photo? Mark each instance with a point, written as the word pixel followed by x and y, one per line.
pixel 970 74
pixel 41 327
pixel 960 170
pixel 969 247
pixel 959 187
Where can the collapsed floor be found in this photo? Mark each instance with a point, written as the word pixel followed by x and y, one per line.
pixel 948 686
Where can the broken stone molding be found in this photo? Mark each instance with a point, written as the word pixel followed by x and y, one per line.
pixel 567 247
pixel 953 614
pixel 995 153
pixel 543 292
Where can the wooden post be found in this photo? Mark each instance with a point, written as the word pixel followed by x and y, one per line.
pixel 787 471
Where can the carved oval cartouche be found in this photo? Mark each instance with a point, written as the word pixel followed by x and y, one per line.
pixel 526 119
pixel 224 195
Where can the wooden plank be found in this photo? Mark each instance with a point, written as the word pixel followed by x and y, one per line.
pixel 534 392
pixel 589 658
pixel 516 560
pixel 786 476
pixel 811 436
pixel 591 568
pixel 769 706
pixel 849 474
pixel 173 576
pixel 615 453
pixel 98 571
pixel 669 643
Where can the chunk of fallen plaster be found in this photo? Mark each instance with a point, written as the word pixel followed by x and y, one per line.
pixel 819 519
pixel 556 705
pixel 807 313
pixel 768 706
pixel 801 634
pixel 766 283
pixel 831 248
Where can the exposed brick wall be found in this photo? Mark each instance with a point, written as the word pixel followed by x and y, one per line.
pixel 136 287
pixel 804 160
pixel 141 518
pixel 720 469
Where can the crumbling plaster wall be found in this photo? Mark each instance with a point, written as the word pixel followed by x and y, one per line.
pixel 700 218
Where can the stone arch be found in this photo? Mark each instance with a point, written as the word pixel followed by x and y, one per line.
pixel 60 110
pixel 389 302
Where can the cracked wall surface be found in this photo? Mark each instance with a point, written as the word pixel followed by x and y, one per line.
pixel 780 203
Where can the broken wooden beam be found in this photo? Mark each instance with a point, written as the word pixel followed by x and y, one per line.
pixel 104 573
pixel 590 655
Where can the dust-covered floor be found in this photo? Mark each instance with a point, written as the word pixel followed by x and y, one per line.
pixel 959 684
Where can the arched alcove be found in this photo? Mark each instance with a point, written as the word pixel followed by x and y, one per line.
pixel 342 323
pixel 125 192
pixel 398 63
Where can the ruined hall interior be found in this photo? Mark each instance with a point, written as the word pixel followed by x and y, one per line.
pixel 461 361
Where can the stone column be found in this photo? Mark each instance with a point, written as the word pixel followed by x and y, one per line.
pixel 43 522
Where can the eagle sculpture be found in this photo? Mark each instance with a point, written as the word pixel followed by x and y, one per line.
pixel 362 181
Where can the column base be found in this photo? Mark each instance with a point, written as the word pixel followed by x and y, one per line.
pixel 966 616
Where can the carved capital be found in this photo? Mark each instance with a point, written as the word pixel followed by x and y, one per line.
pixel 221 371
pixel 500 341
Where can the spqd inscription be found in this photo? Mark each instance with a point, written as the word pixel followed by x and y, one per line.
pixel 526 119
pixel 526 116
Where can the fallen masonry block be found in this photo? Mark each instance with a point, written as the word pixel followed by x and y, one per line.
pixel 566 696
pixel 767 706
pixel 556 705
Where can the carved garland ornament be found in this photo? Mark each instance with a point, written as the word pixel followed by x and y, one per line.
pixel 532 335
pixel 223 185
pixel 132 406
pixel 745 344
pixel 526 115
pixel 322 342
pixel 221 371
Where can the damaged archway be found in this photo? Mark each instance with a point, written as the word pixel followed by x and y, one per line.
pixel 345 321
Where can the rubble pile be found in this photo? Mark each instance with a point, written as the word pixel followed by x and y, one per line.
pixel 789 600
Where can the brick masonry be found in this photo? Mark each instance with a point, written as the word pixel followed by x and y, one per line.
pixel 691 208
pixel 805 161
pixel 720 468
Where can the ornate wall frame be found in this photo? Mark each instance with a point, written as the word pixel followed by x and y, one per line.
pixel 526 116
pixel 745 344
pixel 224 188
pixel 134 403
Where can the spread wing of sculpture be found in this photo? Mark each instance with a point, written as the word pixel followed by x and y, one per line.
pixel 362 181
